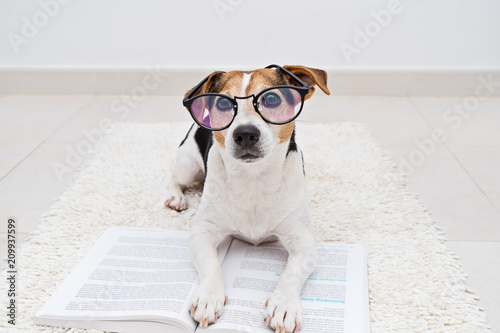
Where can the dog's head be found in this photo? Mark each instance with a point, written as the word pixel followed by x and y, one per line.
pixel 253 116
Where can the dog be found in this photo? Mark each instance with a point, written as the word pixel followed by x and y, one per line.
pixel 244 150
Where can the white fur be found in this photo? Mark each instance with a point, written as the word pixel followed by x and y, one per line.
pixel 259 201
pixel 244 84
pixel 187 169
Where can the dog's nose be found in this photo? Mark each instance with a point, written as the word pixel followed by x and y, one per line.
pixel 246 135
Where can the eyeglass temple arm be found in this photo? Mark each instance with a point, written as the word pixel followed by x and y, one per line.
pixel 195 89
pixel 289 73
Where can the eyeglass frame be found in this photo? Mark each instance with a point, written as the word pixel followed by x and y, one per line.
pixel 303 91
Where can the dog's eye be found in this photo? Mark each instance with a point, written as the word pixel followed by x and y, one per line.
pixel 271 100
pixel 223 104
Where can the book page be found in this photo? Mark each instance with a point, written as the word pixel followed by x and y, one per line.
pixel 130 274
pixel 334 298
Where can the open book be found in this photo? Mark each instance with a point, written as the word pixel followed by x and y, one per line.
pixel 141 280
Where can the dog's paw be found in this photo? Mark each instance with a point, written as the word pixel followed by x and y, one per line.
pixel 177 202
pixel 283 313
pixel 207 305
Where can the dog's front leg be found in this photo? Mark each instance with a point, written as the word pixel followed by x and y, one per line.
pixel 209 299
pixel 283 309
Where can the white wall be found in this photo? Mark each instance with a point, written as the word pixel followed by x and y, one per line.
pixel 251 33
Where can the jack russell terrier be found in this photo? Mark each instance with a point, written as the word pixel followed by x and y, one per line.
pixel 255 188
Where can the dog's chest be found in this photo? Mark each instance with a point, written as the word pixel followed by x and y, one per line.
pixel 252 211
pixel 251 207
pixel 252 200
pixel 255 199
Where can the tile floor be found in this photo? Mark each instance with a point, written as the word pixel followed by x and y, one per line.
pixel 452 159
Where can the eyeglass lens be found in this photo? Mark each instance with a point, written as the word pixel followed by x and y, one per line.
pixel 277 105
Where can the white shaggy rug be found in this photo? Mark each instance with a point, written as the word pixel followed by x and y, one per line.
pixel 356 194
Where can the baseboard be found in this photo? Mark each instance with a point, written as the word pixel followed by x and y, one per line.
pixel 154 81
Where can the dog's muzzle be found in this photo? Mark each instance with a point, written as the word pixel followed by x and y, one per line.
pixel 246 138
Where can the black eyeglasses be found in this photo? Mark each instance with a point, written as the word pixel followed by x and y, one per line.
pixel 277 105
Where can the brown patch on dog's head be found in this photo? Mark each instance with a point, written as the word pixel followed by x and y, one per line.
pixel 264 78
pixel 285 131
pixel 207 86
pixel 311 77
pixel 220 137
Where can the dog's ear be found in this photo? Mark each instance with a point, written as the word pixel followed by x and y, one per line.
pixel 207 86
pixel 311 77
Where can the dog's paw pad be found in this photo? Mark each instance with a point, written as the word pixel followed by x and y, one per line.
pixel 207 305
pixel 178 203
pixel 283 314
